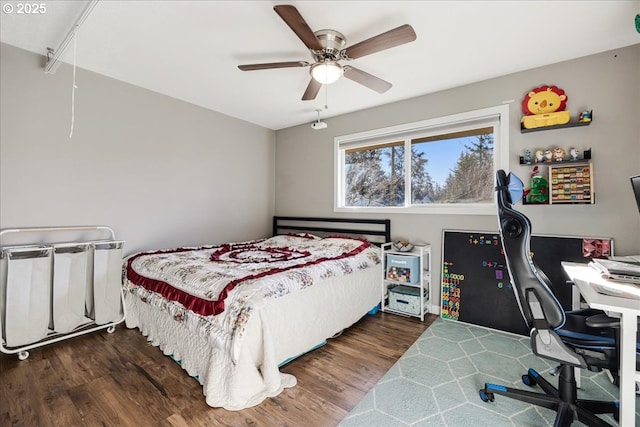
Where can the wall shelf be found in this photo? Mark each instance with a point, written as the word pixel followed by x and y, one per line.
pixel 553 163
pixel 586 157
pixel 568 183
pixel 568 125
pixel 571 124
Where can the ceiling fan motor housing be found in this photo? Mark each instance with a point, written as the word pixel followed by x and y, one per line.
pixel 332 42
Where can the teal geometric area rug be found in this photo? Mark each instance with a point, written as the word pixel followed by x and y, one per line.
pixel 436 382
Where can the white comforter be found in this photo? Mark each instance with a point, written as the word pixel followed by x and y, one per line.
pixel 235 354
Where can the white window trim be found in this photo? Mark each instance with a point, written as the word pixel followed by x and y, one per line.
pixel 401 132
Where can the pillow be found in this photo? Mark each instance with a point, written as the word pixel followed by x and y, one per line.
pixel 305 235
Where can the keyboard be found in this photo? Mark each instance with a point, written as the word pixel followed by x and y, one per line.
pixel 633 259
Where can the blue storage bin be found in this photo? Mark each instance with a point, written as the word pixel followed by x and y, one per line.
pixel 403 268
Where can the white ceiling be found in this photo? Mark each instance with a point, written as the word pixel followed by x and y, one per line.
pixel 190 49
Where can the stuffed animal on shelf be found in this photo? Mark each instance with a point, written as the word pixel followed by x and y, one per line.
pixel 539 156
pixel 527 157
pixel 545 106
pixel 538 192
pixel 558 154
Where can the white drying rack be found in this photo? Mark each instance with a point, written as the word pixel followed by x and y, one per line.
pixel 57 283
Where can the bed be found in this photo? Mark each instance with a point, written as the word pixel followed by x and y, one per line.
pixel 232 314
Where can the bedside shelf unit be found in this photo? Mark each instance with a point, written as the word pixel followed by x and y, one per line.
pixel 399 281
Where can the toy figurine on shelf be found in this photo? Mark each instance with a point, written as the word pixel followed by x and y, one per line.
pixel 548 155
pixel 527 157
pixel 539 156
pixel 574 153
pixel 538 192
pixel 544 106
pixel 558 154
pixel 585 116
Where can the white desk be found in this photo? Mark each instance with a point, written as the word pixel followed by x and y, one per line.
pixel 584 276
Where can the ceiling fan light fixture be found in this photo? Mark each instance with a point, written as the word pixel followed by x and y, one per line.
pixel 326 72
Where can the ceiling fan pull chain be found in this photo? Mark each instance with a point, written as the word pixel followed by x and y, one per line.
pixel 326 97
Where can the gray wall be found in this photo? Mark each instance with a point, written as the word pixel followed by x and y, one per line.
pixel 165 173
pixel 161 172
pixel 608 83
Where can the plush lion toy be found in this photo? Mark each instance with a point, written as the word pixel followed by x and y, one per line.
pixel 544 106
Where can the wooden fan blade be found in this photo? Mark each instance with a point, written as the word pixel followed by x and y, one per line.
pixel 268 65
pixel 312 90
pixel 296 22
pixel 366 79
pixel 392 38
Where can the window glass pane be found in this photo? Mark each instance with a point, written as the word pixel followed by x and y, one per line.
pixel 453 168
pixel 374 175
pixel 442 165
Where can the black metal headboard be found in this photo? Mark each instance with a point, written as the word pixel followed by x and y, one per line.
pixel 374 230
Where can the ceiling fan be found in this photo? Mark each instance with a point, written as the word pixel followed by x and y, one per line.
pixel 328 47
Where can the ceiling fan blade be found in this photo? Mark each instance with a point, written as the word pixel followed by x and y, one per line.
pixel 366 79
pixel 392 38
pixel 312 90
pixel 268 65
pixel 296 22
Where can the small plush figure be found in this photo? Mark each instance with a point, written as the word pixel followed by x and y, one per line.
pixel 539 156
pixel 574 153
pixel 548 155
pixel 527 157
pixel 585 116
pixel 558 154
pixel 538 192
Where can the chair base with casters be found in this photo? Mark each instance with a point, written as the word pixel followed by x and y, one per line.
pixel 562 400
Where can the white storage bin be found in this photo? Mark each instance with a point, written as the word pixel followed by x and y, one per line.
pixel 25 294
pixel 107 282
pixel 406 299
pixel 70 281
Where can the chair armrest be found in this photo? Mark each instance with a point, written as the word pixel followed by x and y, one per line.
pixel 602 321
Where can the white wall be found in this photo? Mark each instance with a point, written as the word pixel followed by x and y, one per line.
pixel 608 83
pixel 161 172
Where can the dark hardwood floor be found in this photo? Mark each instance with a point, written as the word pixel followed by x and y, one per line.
pixel 118 379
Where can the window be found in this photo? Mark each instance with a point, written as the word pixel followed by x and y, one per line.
pixel 443 165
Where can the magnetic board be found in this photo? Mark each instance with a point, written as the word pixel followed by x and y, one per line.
pixel 475 281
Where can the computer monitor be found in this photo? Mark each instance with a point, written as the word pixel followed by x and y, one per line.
pixel 635 184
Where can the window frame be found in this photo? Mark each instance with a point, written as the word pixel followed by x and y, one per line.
pixel 497 116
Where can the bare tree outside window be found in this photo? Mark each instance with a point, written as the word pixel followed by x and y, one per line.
pixel 375 176
pixel 443 165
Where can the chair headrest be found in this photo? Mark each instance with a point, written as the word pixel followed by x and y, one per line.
pixel 510 186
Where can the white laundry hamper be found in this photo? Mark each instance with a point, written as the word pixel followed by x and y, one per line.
pixel 25 294
pixel 70 281
pixel 107 282
pixel 52 289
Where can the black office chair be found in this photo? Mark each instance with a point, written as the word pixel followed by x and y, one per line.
pixel 582 338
